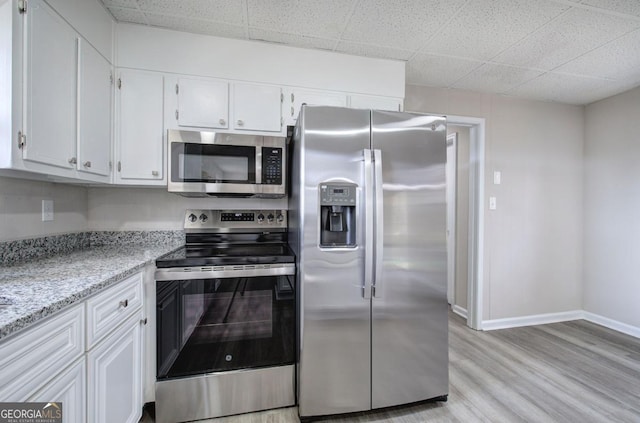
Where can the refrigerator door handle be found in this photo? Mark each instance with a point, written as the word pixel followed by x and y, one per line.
pixel 377 288
pixel 368 222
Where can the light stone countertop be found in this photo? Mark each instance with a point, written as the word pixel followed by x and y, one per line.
pixel 39 288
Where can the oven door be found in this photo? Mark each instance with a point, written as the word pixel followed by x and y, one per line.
pixel 218 321
pixel 219 169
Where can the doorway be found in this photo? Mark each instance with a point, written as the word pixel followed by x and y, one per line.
pixel 466 213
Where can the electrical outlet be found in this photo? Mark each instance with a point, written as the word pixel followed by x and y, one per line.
pixel 47 210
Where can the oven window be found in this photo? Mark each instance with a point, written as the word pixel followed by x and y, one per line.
pixel 209 325
pixel 207 163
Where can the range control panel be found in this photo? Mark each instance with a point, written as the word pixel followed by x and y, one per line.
pixel 213 220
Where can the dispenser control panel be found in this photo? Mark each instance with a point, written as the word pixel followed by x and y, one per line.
pixel 338 195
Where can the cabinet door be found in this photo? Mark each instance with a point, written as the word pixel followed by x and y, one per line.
pixel 140 143
pixel 115 376
pixel 94 111
pixel 69 388
pixel 374 102
pixel 203 103
pixel 298 97
pixel 51 83
pixel 257 107
pixel 33 357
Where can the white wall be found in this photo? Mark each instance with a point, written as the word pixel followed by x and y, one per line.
pixel 612 208
pixel 533 241
pixel 21 209
pixel 155 208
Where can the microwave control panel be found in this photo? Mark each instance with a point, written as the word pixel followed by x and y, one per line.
pixel 272 165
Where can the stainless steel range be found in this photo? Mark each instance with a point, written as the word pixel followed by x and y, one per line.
pixel 225 313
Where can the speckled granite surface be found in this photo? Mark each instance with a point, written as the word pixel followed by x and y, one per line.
pixel 29 249
pixel 38 287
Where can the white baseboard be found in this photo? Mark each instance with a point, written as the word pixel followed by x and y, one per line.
pixel 538 319
pixel 462 312
pixel 542 319
pixel 612 324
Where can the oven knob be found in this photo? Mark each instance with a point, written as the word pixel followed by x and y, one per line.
pixel 260 218
pixel 204 217
pixel 270 218
pixel 192 217
pixel 280 218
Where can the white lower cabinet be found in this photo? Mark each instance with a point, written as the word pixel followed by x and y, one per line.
pixel 30 359
pixel 69 388
pixel 115 376
pixel 89 357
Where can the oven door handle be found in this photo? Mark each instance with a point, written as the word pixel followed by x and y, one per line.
pixel 221 272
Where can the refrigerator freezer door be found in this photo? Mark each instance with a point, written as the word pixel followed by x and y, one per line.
pixel 335 332
pixel 409 319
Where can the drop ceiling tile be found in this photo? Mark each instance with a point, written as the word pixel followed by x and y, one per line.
pixel 227 11
pixel 619 59
pixel 438 71
pixel 369 50
pixel 324 19
pixel 629 7
pixel 405 24
pixel 197 26
pixel 573 34
pixel 485 28
pixel 495 78
pixel 127 15
pixel 564 88
pixel 291 39
pixel 131 4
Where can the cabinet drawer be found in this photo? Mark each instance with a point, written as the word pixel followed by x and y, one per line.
pixel 107 310
pixel 32 358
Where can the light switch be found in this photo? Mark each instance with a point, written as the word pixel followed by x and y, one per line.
pixel 492 203
pixel 47 210
pixel 497 177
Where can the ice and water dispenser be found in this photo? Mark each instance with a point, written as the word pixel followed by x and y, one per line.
pixel 337 215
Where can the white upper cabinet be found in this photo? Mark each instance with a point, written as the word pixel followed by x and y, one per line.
pixel 202 103
pixel 257 107
pixel 51 71
pixel 357 101
pixel 140 129
pixel 94 111
pixel 294 98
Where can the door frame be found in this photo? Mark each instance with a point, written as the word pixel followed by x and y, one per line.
pixel 452 169
pixel 475 282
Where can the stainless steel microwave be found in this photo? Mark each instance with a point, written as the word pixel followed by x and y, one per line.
pixel 226 165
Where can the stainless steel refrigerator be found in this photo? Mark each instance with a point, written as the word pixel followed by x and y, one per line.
pixel 367 223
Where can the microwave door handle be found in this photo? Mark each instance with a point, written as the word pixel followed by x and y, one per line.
pixel 377 284
pixel 368 221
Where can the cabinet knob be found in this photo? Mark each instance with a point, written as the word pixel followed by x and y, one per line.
pixel 222 122
pixel 73 161
pixel 87 164
pixel 124 304
pixel 154 173
pixel 240 122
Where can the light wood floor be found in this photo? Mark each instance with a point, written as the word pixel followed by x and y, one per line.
pixel 562 372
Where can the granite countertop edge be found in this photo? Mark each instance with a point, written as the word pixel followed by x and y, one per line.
pixel 84 273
